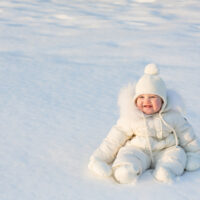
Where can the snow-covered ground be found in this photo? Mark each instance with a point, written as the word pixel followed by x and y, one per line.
pixel 62 64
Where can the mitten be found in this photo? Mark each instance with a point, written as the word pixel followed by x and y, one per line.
pixel 100 168
pixel 193 162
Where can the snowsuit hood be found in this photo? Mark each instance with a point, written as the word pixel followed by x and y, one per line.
pixel 129 110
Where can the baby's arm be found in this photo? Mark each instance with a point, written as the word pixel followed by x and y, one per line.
pixel 190 142
pixel 104 155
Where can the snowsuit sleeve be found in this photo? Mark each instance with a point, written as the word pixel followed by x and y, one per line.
pixel 187 138
pixel 189 141
pixel 101 159
pixel 115 139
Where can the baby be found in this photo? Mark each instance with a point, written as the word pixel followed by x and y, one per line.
pixel 150 133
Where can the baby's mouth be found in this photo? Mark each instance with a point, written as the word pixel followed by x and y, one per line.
pixel 147 106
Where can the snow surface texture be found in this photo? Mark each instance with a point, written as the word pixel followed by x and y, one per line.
pixel 62 64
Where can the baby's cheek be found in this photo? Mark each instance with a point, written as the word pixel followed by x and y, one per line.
pixel 158 106
pixel 139 107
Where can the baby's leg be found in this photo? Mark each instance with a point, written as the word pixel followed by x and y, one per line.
pixel 130 163
pixel 169 163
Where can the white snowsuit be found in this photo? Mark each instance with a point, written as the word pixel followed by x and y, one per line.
pixel 164 140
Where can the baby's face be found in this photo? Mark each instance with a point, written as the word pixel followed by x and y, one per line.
pixel 149 103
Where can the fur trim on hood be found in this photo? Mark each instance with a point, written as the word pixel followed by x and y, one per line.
pixel 129 110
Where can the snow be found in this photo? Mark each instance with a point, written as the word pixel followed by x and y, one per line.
pixel 62 64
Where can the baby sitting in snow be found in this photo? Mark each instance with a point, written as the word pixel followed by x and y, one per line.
pixel 150 133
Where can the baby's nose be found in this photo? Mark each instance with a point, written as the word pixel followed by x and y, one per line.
pixel 147 99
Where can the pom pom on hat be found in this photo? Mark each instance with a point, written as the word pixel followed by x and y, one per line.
pixel 151 69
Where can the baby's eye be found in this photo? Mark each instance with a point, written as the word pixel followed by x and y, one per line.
pixel 153 97
pixel 141 97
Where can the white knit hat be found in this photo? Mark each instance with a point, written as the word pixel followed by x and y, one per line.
pixel 151 83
